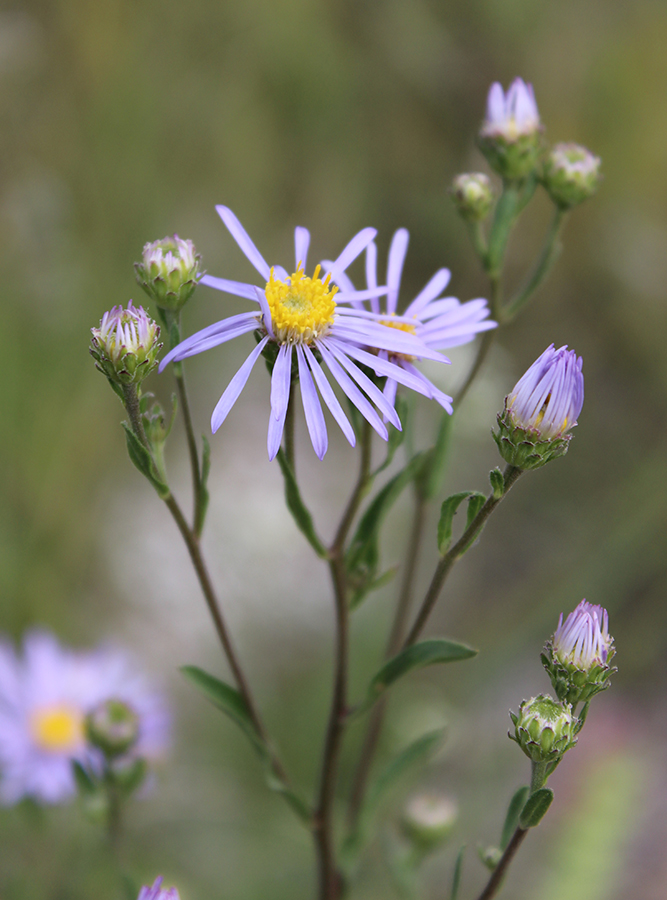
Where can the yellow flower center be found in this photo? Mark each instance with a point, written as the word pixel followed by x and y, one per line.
pixel 401 326
pixel 57 728
pixel 302 308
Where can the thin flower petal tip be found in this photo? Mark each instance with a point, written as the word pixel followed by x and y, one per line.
pixel 542 409
pixel 511 114
pixel 156 892
pixel 299 314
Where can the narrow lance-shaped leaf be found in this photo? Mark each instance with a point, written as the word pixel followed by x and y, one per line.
pixel 517 803
pixel 536 807
pixel 497 480
pixel 458 872
pixel 447 513
pixel 143 461
pixel 297 507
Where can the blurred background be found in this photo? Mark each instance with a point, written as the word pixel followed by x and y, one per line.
pixel 124 121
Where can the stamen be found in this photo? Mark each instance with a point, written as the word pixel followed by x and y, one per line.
pixel 302 308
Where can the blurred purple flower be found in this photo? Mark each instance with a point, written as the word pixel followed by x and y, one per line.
pixel 438 322
pixel 299 315
pixel 512 114
pixel 45 694
pixel 155 892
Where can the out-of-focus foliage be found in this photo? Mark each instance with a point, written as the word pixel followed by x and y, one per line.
pixel 122 122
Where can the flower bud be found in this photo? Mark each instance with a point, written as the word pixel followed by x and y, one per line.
pixel 169 272
pixel 112 727
pixel 577 656
pixel 541 410
pixel 510 136
pixel 428 820
pixel 125 346
pixel 472 195
pixel 571 174
pixel 544 728
pixel 156 892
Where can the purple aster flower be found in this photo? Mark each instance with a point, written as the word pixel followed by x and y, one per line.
pixel 583 640
pixel 512 114
pixel 45 695
pixel 547 400
pixel 155 892
pixel 125 346
pixel 438 322
pixel 299 316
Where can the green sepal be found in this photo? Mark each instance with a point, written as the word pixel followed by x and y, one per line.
pixel 517 803
pixel 418 752
pixel 300 514
pixel 396 437
pixel 497 480
pixel 84 783
pixel 447 513
pixel 143 460
pixel 458 872
pixel 417 656
pixel 363 556
pixel 535 808
pixel 230 701
pixel 431 477
pixel 204 495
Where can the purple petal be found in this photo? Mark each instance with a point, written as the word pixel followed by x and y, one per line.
pixel 435 393
pixel 364 383
pixel 260 296
pixel 495 104
pixel 340 278
pixel 238 288
pixel 212 336
pixel 275 434
pixel 317 428
pixel 280 273
pixel 242 238
pixel 383 337
pixel 328 396
pixel 353 296
pixel 301 244
pixel 352 391
pixel 371 275
pixel 449 305
pixel 281 379
pixel 235 387
pixel 429 292
pixel 379 363
pixel 397 251
pixel 358 243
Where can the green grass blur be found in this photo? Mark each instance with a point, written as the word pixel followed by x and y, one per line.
pixel 123 121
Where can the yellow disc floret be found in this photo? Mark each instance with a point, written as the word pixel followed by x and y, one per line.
pixel 302 308
pixel 401 326
pixel 57 728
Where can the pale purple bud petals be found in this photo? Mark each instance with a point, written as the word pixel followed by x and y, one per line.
pixel 583 639
pixel 549 397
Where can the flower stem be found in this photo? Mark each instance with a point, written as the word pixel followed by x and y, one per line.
pixel 131 395
pixel 330 879
pixel 495 881
pixel 546 259
pixel 192 447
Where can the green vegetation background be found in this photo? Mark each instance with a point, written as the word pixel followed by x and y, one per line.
pixel 123 121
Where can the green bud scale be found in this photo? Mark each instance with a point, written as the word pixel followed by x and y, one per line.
pixel 169 271
pixel 472 195
pixel 571 174
pixel 544 728
pixel 125 346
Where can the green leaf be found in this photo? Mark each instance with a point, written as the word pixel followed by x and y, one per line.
pixel 131 776
pixel 475 502
pixel 301 515
pixel 430 480
pixel 418 656
pixel 458 871
pixel 203 489
pixel 536 806
pixel 517 803
pixel 143 460
pixel 497 480
pixel 85 784
pixel 362 558
pixel 232 703
pixel 447 513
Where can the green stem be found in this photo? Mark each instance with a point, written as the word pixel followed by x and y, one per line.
pixel 131 394
pixel 455 553
pixel 192 447
pixel 549 254
pixel 478 239
pixel 330 879
pixel 496 879
pixel 538 775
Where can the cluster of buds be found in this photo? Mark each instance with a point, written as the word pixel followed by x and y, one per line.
pixel 571 174
pixel 541 410
pixel 126 345
pixel 472 195
pixel 578 655
pixel 169 272
pixel 544 728
pixel 511 134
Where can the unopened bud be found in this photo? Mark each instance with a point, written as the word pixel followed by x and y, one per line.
pixel 472 195
pixel 578 655
pixel 541 410
pixel 544 728
pixel 112 727
pixel 510 136
pixel 169 271
pixel 126 345
pixel 157 892
pixel 571 174
pixel 428 820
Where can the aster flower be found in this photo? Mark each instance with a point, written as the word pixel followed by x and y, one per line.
pixel 542 409
pixel 438 322
pixel 571 174
pixel 299 318
pixel 169 271
pixel 510 136
pixel 125 345
pixel 155 892
pixel 45 695
pixel 578 655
